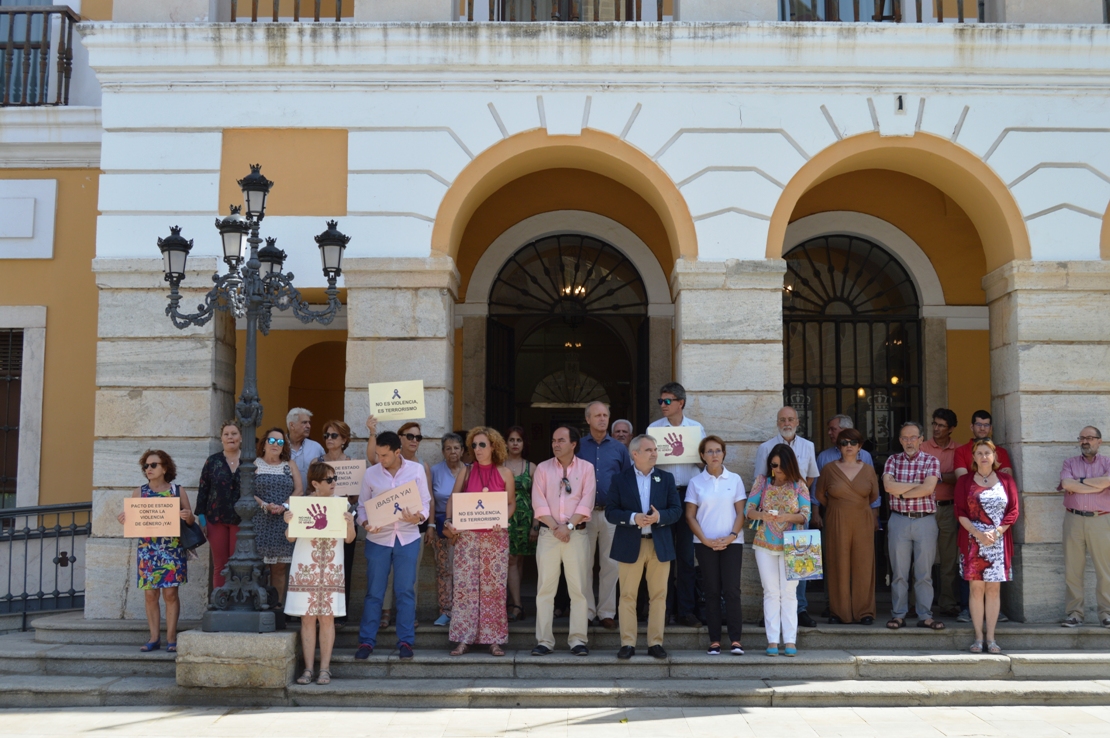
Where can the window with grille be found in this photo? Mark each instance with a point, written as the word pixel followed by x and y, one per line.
pixel 11 366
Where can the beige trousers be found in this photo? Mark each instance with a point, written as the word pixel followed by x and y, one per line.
pixel 600 532
pixel 1082 536
pixel 552 555
pixel 657 575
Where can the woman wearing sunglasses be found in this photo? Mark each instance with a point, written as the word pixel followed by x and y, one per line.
pixel 779 502
pixel 315 594
pixel 162 561
pixel 481 556
pixel 337 437
pixel 275 481
pixel 846 489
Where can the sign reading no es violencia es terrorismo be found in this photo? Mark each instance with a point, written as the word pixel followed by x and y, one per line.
pixel 397 400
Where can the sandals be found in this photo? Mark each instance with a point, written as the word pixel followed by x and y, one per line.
pixel 896 623
pixel 460 649
pixel 152 646
pixel 515 617
pixel 496 650
pixel 993 647
pixel 305 677
pixel 171 646
pixel 977 647
pixel 931 624
pixel 324 677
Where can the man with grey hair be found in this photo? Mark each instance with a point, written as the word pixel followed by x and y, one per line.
pixel 609 457
pixel 1085 482
pixel 622 431
pixel 302 449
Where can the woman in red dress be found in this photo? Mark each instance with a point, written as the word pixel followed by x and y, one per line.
pixel 986 505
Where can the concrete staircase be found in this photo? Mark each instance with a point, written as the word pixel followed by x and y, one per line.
pixel 68 661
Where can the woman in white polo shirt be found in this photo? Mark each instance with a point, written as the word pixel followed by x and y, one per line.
pixel 715 514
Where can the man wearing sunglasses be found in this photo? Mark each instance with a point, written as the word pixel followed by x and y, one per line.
pixel 682 594
pixel 563 491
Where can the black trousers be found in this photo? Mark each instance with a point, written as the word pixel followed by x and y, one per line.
pixel 720 572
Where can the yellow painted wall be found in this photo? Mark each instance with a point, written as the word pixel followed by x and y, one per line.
pixel 969 377
pixel 932 219
pixel 66 286
pixel 277 353
pixel 307 165
pixel 318 383
pixel 96 10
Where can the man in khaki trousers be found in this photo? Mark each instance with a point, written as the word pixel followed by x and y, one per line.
pixel 1085 482
pixel 644 505
pixel 563 491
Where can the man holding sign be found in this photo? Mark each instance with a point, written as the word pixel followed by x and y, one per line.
pixel 391 545
pixel 682 597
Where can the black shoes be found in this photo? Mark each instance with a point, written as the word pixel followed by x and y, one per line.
pixel 806 621
pixel 580 650
pixel 541 650
pixel 834 620
pixel 626 652
pixel 657 652
pixel 690 620
pixel 867 620
pixel 364 651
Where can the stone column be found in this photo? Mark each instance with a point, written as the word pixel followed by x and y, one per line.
pixel 1049 378
pixel 728 356
pixel 157 387
pixel 401 325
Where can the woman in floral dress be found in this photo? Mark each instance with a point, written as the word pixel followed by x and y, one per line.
pixel 986 505
pixel 481 556
pixel 276 479
pixel 161 561
pixel 316 581
pixel 523 530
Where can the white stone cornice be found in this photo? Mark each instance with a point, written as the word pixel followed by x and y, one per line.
pixel 50 138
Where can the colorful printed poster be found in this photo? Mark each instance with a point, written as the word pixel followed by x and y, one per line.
pixel 397 400
pixel 318 517
pixel 387 508
pixel 152 517
pixel 803 554
pixel 677 444
pixel 479 510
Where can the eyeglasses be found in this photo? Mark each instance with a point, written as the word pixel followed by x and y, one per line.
pixel 1089 438
pixel 713 451
pixel 666 401
pixel 775 465
pixel 275 441
pixel 331 436
pixel 906 439
pixel 842 444
pixel 981 425
pixel 330 480
pixel 939 425
pixel 412 437
pixel 478 444
pixel 566 485
pixel 155 465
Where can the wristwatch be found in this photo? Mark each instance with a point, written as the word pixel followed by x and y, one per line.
pixel 570 526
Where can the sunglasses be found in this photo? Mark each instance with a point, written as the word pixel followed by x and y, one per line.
pixel 667 401
pixel 842 444
pixel 478 444
pixel 331 436
pixel 275 441
pixel 155 465
pixel 330 480
pixel 775 466
pixel 566 485
pixel 412 437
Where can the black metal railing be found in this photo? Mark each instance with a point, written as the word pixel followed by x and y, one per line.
pixel 880 11
pixel 42 558
pixel 28 36
pixel 575 11
pixel 278 10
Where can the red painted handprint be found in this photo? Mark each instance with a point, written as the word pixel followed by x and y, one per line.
pixel 319 518
pixel 675 442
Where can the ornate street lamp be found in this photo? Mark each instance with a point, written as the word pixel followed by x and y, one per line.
pixel 252 290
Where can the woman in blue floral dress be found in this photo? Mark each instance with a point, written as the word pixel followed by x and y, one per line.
pixel 162 562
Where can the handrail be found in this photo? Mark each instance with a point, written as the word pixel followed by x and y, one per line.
pixel 577 11
pixel 275 7
pixel 25 76
pixel 885 11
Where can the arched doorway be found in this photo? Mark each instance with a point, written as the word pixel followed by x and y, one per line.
pixel 567 326
pixel 316 382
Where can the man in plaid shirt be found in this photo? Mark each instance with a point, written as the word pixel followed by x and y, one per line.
pixel 910 478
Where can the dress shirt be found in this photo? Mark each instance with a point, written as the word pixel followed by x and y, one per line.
pixel 803 449
pixel 832 454
pixel 377 481
pixel 946 455
pixel 1077 468
pixel 912 471
pixel 683 473
pixel 608 457
pixel 549 495
pixel 962 459
pixel 643 486
pixel 716 498
pixel 303 458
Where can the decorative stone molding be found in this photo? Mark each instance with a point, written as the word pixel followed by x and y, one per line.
pixel 50 137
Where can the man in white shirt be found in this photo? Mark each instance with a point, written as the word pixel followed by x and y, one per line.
pixel 787 421
pixel 395 546
pixel 682 595
pixel 302 449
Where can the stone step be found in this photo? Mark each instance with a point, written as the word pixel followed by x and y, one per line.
pixel 24 691
pixel 20 653
pixel 72 627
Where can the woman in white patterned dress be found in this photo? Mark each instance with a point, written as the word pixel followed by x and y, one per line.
pixel 316 581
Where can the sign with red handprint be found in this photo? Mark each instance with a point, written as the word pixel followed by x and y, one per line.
pixel 676 444
pixel 318 517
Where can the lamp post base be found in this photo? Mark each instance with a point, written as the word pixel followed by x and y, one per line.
pixel 238 621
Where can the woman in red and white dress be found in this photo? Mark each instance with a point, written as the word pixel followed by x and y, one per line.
pixel 316 581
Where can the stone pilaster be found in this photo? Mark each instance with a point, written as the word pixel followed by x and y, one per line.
pixel 1049 351
pixel 157 387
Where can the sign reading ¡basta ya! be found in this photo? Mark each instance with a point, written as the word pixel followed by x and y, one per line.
pixel 386 508
pixel 397 400
pixel 152 517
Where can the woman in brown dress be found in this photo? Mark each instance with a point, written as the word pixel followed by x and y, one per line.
pixel 846 489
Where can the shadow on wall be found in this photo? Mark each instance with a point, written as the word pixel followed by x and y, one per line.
pixel 317 382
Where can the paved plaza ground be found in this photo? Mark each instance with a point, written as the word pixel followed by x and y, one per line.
pixel 903 722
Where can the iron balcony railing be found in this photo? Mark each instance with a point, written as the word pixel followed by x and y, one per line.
pixel 300 10
pixel 879 11
pixel 42 558
pixel 575 11
pixel 29 36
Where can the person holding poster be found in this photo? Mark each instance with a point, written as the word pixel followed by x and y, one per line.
pixel 410 436
pixel 393 548
pixel 682 594
pixel 316 593
pixel 443 481
pixel 779 502
pixel 162 562
pixel 337 436
pixel 481 556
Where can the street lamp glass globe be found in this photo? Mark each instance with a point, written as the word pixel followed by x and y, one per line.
pixel 233 231
pixel 332 244
pixel 271 258
pixel 175 251
pixel 255 190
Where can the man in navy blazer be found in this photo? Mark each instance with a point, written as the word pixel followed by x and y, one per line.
pixel 644 505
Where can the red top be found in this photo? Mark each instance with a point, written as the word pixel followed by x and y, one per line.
pixel 966 506
pixel 963 458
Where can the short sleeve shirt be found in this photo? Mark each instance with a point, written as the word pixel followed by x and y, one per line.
pixel 1076 468
pixel 913 471
pixel 683 473
pixel 947 458
pixel 803 449
pixel 716 498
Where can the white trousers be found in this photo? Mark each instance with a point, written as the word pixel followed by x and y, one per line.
pixel 600 533
pixel 780 597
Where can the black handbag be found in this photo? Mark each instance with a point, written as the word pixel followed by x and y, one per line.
pixel 192 535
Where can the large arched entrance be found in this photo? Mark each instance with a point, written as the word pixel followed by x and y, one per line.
pixel 567 325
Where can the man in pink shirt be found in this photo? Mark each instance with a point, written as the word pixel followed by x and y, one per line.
pixel 563 491
pixel 395 546
pixel 1085 482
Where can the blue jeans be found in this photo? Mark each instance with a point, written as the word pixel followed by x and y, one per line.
pixel 803 603
pixel 379 560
